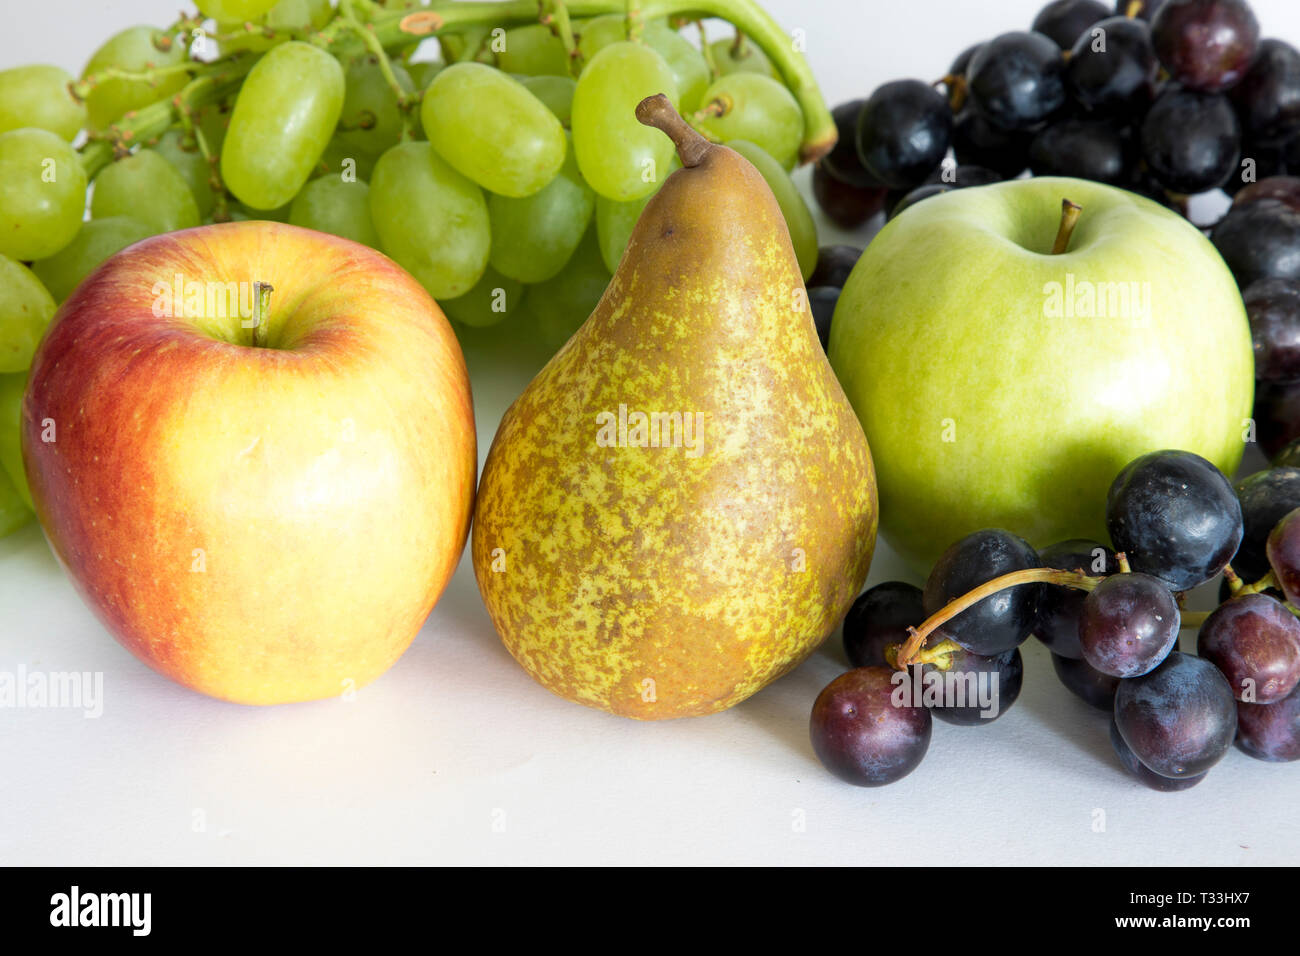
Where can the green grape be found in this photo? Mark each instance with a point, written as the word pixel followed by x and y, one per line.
pixel 422 73
pixel 14 512
pixel 561 304
pixel 147 188
pixel 341 208
pixel 371 121
pixel 283 120
pixel 740 55
pixel 234 11
pixel 26 308
pixel 616 220
pixel 533 237
pixel 342 162
pixel 278 214
pixel 753 108
pixel 431 219
pixel 98 239
pixel 38 96
pixel 599 32
pixel 186 159
pixel 690 70
pixel 490 128
pixel 42 194
pixel 531 49
pixel 11 453
pixel 285 15
pixel 798 217
pixel 556 92
pixel 134 50
pixel 493 299
pixel 618 156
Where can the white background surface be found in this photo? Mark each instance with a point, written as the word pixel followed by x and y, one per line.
pixel 456 756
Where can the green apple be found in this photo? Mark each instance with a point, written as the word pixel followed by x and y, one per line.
pixel 1003 386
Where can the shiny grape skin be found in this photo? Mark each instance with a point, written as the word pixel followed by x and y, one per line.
pixel 1017 80
pixel 1266 498
pixel 1009 670
pixel 1283 550
pixel 1128 759
pixel 1255 642
pixel 1206 44
pixel 846 205
pixel 1086 682
pixel 1267 162
pixel 1288 457
pixel 1273 307
pixel 1128 625
pixel 1082 149
pixel 1191 140
pixel 1286 189
pixel 1276 414
pixel 1120 82
pixel 977 143
pixel 1063 21
pixel 860 736
pixel 822 301
pixel 1175 516
pixel 903 133
pixel 999 622
pixel 834 265
pixel 914 196
pixel 1146 11
pixel 1059 606
pixel 1180 719
pixel 1270 731
pixel 964 176
pixel 879 618
pixel 962 63
pixel 1260 240
pixel 843 161
pixel 1268 97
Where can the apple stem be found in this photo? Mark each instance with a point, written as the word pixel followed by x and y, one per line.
pixel 1069 219
pixel 909 652
pixel 261 308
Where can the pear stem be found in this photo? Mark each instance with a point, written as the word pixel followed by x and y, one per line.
pixel 657 111
pixel 1069 219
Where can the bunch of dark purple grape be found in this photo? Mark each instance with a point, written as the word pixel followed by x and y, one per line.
pixel 1111 619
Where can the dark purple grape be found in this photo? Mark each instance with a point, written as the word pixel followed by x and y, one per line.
pixel 1064 20
pixel 845 205
pixel 1136 769
pixel 960 65
pixel 834 265
pixel 1119 78
pixel 1143 183
pixel 1205 44
pixel 976 143
pixel 1129 624
pixel 1146 9
pixel 1285 189
pixel 1191 141
pixel 860 736
pixel 1086 682
pixel 963 176
pixel 1283 550
pixel 822 300
pixel 1180 719
pixel 1266 498
pixel 1260 240
pixel 999 622
pixel 1081 148
pixel 1257 163
pixel 1255 642
pixel 976 689
pixel 1175 516
pixel 903 133
pixel 1059 606
pixel 842 161
pixel 907 200
pixel 1017 81
pixel 1270 731
pixel 1288 457
pixel 878 619
pixel 1268 97
pixel 1276 414
pixel 1273 307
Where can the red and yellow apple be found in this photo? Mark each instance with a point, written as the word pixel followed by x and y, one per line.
pixel 261 496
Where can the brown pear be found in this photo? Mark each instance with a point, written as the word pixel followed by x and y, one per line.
pixel 681 505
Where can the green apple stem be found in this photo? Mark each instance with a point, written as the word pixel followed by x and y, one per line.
pixel 1069 219
pixel 657 111
pixel 261 320
pixel 908 652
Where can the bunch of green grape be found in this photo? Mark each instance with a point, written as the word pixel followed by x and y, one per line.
pixel 506 175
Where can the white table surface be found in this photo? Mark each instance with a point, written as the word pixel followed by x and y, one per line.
pixel 456 756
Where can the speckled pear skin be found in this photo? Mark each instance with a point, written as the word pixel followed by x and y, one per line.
pixel 655 582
